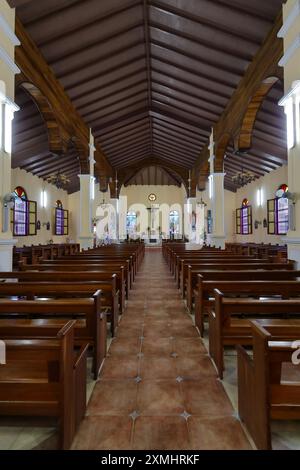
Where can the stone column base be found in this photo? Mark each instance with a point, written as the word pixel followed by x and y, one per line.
pixel 6 254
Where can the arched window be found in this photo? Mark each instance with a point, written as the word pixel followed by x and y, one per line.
pixel 278 212
pixel 23 214
pixel 174 222
pixel 244 219
pixel 61 219
pixel 131 223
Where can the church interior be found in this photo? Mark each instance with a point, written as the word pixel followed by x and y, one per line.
pixel 149 225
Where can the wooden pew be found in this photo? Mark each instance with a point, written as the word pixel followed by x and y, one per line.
pixel 193 272
pixel 183 262
pixel 262 396
pixel 90 324
pixel 204 299
pixel 109 293
pixel 43 377
pixel 94 264
pixel 226 329
pixel 67 273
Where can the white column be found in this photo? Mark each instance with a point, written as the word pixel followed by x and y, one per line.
pixel 290 32
pixel 8 69
pixel 123 209
pixel 200 223
pixel 114 219
pixel 86 236
pixel 218 236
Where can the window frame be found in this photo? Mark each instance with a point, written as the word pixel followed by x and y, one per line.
pixel 65 221
pixel 273 220
pixel 30 212
pixel 239 217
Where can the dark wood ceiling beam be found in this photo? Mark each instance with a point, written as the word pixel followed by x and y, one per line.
pixel 171 90
pixel 242 55
pixel 177 142
pixel 130 151
pixel 148 62
pixel 177 113
pixel 79 29
pixel 178 128
pixel 178 135
pixel 55 162
pixel 178 121
pixel 42 172
pixel 205 90
pixel 198 59
pixel 184 69
pixel 68 121
pixel 174 149
pixel 119 124
pixel 129 134
pixel 181 157
pixel 75 56
pixel 122 103
pixel 205 22
pixel 182 105
pixel 124 63
pixel 118 79
pixel 263 65
pixel 134 154
pixel 94 102
pixel 167 158
pixel 109 118
pixel 131 160
pixel 126 136
pixel 32 158
pixel 128 129
pixel 246 165
pixel 128 143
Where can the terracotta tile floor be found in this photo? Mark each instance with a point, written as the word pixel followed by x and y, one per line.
pixel 158 389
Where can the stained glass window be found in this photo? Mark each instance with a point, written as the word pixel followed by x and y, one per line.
pixel 278 212
pixel 23 215
pixel 61 219
pixel 131 223
pixel 174 222
pixel 244 219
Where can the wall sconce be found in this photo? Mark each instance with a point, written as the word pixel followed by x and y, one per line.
pixel 47 225
pixel 44 199
pixel 38 225
pixel 257 223
pixel 265 223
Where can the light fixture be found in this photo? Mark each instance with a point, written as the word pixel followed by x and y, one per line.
pixel 92 182
pixel 44 198
pixel 59 180
pixel 243 177
pixel 259 197
pixel 8 108
pixel 210 182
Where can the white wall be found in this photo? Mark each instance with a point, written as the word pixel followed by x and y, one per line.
pixel 139 194
pixel 33 187
pixel 269 184
pixel 165 194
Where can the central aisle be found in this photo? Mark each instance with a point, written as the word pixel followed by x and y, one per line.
pixel 158 388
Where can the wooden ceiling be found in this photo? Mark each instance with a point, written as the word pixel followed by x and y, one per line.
pixel 30 149
pixel 151 77
pixel 154 175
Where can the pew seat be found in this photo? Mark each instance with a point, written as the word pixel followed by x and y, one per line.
pixel 45 377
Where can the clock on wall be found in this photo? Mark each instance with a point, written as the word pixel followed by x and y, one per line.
pixel 152 197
